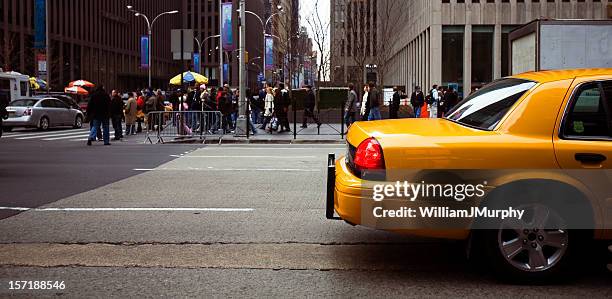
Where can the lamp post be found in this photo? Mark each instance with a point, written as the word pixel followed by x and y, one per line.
pixel 150 31
pixel 265 25
pixel 201 44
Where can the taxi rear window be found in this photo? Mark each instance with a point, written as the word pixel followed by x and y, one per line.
pixel 485 108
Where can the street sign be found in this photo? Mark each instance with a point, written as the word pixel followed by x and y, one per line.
pixel 41 60
pixel 182 41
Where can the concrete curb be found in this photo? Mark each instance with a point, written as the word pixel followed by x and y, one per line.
pixel 233 140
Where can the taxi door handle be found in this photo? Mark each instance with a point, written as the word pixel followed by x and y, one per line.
pixel 587 158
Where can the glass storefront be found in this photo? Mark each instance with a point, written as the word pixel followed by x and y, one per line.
pixel 482 56
pixel 452 56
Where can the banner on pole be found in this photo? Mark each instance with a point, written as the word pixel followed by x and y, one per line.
pixel 225 73
pixel 144 52
pixel 196 62
pixel 227 31
pixel 269 53
pixel 40 24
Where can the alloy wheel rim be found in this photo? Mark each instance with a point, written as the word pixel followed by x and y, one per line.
pixel 535 245
pixel 44 124
pixel 79 122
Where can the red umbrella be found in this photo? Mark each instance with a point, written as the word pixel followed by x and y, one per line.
pixel 76 90
pixel 81 83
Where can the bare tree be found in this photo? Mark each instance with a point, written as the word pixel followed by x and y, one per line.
pixel 390 14
pixel 320 31
pixel 354 34
pixel 8 51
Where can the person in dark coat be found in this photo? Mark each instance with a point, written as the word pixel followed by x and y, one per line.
pixel 352 106
pixel 450 100
pixel 394 106
pixel 286 102
pixel 310 103
pixel 417 100
pixel 374 99
pixel 99 110
pixel 117 114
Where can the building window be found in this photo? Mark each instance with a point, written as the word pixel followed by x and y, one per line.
pixel 452 56
pixel 505 50
pixel 482 56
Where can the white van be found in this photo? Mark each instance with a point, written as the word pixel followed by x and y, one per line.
pixel 14 86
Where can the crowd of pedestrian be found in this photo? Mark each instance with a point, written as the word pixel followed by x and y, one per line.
pixel 435 104
pixel 267 110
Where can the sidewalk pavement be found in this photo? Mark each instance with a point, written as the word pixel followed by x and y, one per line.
pixel 326 134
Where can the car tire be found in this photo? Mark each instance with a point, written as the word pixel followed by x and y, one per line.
pixel 531 252
pixel 44 123
pixel 78 122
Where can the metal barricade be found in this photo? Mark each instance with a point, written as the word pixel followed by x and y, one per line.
pixel 177 125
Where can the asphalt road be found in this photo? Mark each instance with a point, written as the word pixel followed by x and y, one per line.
pixel 210 221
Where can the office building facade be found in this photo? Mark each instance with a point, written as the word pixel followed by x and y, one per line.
pixel 93 40
pixel 464 44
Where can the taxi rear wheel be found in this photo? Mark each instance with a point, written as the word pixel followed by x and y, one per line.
pixel 537 249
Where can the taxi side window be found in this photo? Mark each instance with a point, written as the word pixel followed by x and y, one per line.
pixel 588 116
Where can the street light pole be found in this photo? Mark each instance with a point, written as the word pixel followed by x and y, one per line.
pixel 265 35
pixel 201 44
pixel 150 33
pixel 241 122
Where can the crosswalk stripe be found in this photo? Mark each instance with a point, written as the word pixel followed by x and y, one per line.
pixel 28 137
pixel 28 134
pixel 43 134
pixel 65 137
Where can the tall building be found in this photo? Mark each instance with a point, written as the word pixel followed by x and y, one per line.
pixel 100 40
pixel 465 43
pixel 354 26
pixel 93 40
pixel 285 27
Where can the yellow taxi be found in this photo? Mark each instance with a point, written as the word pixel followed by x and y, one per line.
pixel 539 142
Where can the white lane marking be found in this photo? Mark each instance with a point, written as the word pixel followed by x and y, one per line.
pixel 230 169
pixel 253 157
pixel 129 209
pixel 84 139
pixel 52 135
pixel 65 137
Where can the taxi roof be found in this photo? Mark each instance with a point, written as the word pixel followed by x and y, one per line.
pixel 557 75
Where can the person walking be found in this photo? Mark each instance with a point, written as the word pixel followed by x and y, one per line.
pixel 117 115
pixel 310 103
pixel 417 100
pixel 286 102
pixel 364 103
pixel 140 101
pixel 268 108
pixel 131 110
pixel 394 106
pixel 374 98
pixel 98 109
pixel 150 109
pixel 434 100
pixel 352 106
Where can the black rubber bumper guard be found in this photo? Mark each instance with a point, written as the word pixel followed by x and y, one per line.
pixel 331 185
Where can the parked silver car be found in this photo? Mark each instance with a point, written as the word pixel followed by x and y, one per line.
pixel 42 113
